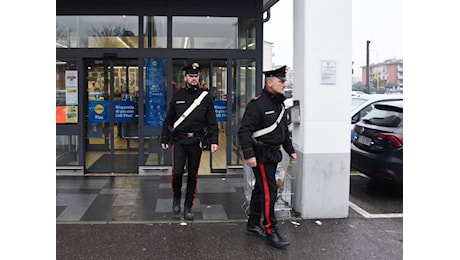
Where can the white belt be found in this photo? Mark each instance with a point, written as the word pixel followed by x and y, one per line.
pixel 189 110
pixel 269 129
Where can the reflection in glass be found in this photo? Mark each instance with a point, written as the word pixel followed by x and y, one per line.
pixel 243 91
pixel 66 150
pixel 119 31
pixel 213 32
pixel 155 34
pixel 247 34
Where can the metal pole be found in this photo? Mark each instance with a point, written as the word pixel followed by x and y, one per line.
pixel 367 67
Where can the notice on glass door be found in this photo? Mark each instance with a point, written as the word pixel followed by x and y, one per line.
pixel 71 87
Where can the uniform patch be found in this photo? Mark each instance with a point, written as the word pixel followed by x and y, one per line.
pixel 269 112
pixel 180 101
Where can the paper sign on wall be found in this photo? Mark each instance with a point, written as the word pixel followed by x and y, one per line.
pixel 328 72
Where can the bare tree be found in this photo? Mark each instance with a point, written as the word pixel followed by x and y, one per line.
pixel 110 36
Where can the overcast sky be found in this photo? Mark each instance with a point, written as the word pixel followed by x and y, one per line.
pixel 379 21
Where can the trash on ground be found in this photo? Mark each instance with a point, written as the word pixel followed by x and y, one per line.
pixel 319 223
pixel 295 223
pixel 183 224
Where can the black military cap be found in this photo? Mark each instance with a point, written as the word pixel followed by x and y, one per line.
pixel 279 73
pixel 192 69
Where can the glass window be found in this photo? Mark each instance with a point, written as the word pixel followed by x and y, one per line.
pixel 384 115
pixel 66 91
pixel 213 32
pixel 66 150
pixel 119 31
pixel 355 102
pixel 155 34
pixel 243 90
pixel 247 34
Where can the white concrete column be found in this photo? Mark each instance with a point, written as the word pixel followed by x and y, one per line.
pixel 322 76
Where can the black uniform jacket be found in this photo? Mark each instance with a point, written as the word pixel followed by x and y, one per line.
pixel 261 112
pixel 202 116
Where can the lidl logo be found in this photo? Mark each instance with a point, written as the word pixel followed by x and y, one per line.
pixel 99 109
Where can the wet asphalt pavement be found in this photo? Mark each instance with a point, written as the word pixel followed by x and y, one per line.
pixel 105 230
pixel 351 238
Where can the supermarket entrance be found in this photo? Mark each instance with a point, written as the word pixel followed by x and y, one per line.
pixel 231 82
pixel 111 116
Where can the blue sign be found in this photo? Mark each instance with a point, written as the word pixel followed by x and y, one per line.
pixel 220 106
pixel 95 130
pixel 155 100
pixel 98 111
pixel 125 111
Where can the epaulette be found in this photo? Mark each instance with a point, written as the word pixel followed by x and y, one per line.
pixel 256 97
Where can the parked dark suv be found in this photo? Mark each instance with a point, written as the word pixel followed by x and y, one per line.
pixel 377 147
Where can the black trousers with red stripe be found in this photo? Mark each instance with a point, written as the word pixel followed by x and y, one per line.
pixel 263 196
pixel 184 151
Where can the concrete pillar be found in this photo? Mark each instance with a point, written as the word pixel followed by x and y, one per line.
pixel 322 75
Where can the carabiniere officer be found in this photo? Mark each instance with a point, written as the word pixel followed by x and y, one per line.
pixel 186 137
pixel 262 133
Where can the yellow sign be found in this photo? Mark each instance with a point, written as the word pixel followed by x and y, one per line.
pixel 99 109
pixel 72 114
pixel 66 114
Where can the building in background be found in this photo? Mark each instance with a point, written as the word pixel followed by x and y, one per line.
pixel 385 77
pixel 268 55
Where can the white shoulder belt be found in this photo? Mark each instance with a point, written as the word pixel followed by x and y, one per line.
pixel 189 110
pixel 269 129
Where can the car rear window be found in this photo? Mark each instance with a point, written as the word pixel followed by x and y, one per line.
pixel 384 116
pixel 355 101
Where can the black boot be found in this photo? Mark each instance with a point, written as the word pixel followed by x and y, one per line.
pixel 176 205
pixel 188 214
pixel 276 240
pixel 255 230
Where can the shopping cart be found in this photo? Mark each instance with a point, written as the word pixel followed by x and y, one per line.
pixel 285 183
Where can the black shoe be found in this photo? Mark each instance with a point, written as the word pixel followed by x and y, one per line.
pixel 176 205
pixel 255 230
pixel 274 239
pixel 188 214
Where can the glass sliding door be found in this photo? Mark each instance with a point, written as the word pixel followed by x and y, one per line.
pixel 219 77
pixel 243 90
pixel 111 116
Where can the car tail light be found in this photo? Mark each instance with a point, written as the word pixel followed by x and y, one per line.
pixel 394 139
pixel 384 175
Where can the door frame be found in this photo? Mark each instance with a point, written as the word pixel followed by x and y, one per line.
pixel 228 79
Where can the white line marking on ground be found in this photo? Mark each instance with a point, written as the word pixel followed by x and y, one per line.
pixel 366 214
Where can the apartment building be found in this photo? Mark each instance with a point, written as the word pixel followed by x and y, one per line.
pixel 386 76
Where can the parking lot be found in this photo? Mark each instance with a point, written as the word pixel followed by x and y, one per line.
pixel 374 200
